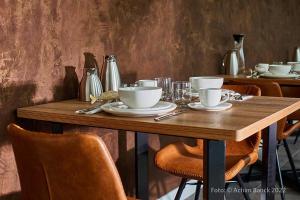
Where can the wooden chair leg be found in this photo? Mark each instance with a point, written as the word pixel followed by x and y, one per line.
pixel 279 175
pixel 198 188
pixel 288 152
pixel 242 185
pixel 181 188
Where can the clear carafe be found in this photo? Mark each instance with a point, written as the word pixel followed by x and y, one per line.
pixel 238 44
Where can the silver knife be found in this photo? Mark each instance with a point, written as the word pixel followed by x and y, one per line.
pixel 92 110
pixel 171 114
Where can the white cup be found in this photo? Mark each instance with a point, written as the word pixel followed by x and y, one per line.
pixel 262 67
pixel 211 97
pixel 147 83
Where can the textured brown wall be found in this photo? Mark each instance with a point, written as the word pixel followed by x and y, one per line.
pixel 42 44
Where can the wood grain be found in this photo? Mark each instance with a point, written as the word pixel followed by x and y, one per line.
pixel 239 122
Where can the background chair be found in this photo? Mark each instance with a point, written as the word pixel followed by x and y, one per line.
pixel 186 161
pixel 70 166
pixel 284 129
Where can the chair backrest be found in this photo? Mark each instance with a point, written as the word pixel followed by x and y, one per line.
pixel 273 89
pixel 253 141
pixel 67 166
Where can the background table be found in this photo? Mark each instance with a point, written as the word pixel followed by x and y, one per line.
pixel 241 121
pixel 289 87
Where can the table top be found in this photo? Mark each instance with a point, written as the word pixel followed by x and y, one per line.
pixel 280 81
pixel 242 120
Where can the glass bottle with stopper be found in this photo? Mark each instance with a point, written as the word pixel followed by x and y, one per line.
pixel 238 44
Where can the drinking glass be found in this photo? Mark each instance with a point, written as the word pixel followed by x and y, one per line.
pixel 181 93
pixel 166 84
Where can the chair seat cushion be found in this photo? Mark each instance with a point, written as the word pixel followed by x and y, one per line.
pixel 186 161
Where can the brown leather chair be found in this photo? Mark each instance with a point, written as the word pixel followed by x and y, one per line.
pixel 61 167
pixel 186 161
pixel 284 129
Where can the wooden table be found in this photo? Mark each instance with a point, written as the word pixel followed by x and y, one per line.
pixel 239 122
pixel 280 81
pixel 289 87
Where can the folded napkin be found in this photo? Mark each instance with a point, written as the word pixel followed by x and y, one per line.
pixel 89 111
pixel 240 98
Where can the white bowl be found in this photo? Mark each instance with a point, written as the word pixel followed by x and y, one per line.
pixel 295 66
pixel 262 67
pixel 202 82
pixel 280 69
pixel 140 97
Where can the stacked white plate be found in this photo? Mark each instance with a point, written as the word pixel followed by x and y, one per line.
pixel 270 75
pixel 120 109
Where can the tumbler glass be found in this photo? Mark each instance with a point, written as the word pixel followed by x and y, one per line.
pixel 166 84
pixel 181 93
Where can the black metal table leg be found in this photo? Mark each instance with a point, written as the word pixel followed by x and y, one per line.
pixel 141 165
pixel 269 162
pixel 57 128
pixel 214 170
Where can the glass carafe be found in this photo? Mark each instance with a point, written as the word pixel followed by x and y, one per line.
pixel 238 44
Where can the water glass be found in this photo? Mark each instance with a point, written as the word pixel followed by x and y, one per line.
pixel 166 84
pixel 181 93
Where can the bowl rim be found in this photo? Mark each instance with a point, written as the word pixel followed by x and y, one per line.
pixel 277 65
pixel 139 89
pixel 206 77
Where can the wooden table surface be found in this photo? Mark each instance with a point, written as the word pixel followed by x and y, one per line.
pixel 242 120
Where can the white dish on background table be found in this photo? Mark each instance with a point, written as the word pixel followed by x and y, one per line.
pixel 270 75
pixel 199 106
pixel 280 69
pixel 295 66
pixel 120 109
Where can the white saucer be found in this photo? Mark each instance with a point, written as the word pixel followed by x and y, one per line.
pixel 161 105
pixel 120 109
pixel 220 107
pixel 270 75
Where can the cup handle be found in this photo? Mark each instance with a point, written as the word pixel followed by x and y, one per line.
pixel 226 99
